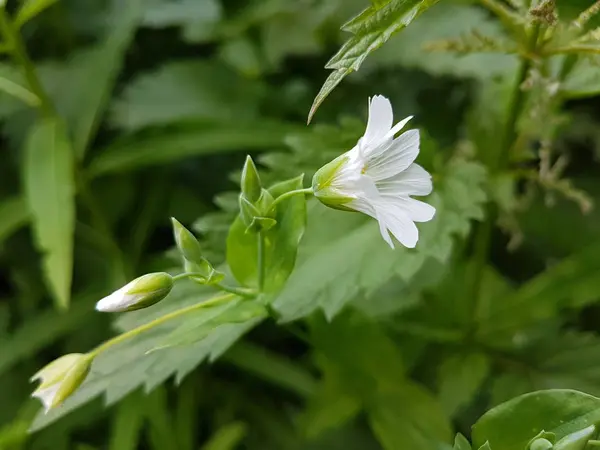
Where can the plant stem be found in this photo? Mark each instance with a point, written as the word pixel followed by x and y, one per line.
pixel 282 197
pixel 261 261
pixel 159 321
pixel 231 289
pixel 16 47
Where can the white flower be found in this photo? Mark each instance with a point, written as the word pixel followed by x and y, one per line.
pixel 61 378
pixel 378 177
pixel 140 293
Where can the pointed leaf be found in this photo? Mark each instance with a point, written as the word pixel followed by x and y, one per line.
pixel 50 193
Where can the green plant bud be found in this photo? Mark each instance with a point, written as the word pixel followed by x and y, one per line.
pixel 186 242
pixel 322 185
pixel 250 184
pixel 540 444
pixel 140 293
pixel 247 210
pixel 577 440
pixel 61 378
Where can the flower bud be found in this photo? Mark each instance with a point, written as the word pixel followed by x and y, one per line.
pixel 186 242
pixel 252 217
pixel 324 189
pixel 61 378
pixel 540 444
pixel 250 183
pixel 140 293
pixel 204 272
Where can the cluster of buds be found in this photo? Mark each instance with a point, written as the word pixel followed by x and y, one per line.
pixel 255 202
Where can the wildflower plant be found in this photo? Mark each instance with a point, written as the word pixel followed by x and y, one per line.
pixel 309 241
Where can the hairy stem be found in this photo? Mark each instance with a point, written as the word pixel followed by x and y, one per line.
pixel 159 321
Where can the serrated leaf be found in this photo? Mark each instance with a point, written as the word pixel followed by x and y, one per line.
pixel 186 90
pixel 460 377
pixel 165 145
pixel 511 425
pixel 281 241
pixel 371 29
pixel 13 215
pixel 31 8
pixel 353 258
pixel 127 366
pixel 203 322
pixel 50 193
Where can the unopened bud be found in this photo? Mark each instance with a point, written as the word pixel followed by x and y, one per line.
pixel 540 444
pixel 250 182
pixel 61 378
pixel 252 216
pixel 186 242
pixel 577 440
pixel 140 293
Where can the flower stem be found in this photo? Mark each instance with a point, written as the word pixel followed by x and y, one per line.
pixel 231 289
pixel 261 261
pixel 282 197
pixel 16 47
pixel 159 321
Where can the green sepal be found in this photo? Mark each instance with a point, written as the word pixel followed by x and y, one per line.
pixel 207 274
pixel 186 242
pixel 250 182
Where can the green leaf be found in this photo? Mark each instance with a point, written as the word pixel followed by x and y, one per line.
pixel 92 76
pixel 227 437
pixel 446 20
pixel 344 253
pixel 50 193
pixel 202 322
pixel 186 90
pixel 583 80
pixel 511 425
pixel 127 366
pixel 408 417
pixel 371 29
pixel 13 215
pixel 31 8
pixel 162 146
pixel 127 424
pixel 461 443
pixel 460 378
pixel 281 241
pixel 185 13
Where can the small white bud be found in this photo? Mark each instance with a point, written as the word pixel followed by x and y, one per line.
pixel 140 293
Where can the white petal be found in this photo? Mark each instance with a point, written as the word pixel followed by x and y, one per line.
pixel 416 210
pixel 397 221
pixel 47 395
pixel 381 118
pixel 413 181
pixel 398 127
pixel 396 158
pixel 116 301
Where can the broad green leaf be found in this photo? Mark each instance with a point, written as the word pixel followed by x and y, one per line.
pixel 446 21
pixel 511 425
pixel 162 146
pixel 371 29
pixel 50 193
pixel 583 80
pixel 461 443
pixel 408 417
pixel 93 74
pixel 127 366
pixel 31 8
pixel 227 437
pixel 201 323
pixel 13 215
pixel 281 241
pixel 344 253
pixel 460 377
pixel 186 90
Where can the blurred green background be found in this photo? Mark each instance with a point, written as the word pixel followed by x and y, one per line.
pixel 162 100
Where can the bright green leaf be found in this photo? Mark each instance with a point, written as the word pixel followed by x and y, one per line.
pixel 371 29
pixel 50 192
pixel 511 425
pixel 281 241
pixel 461 443
pixel 127 424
